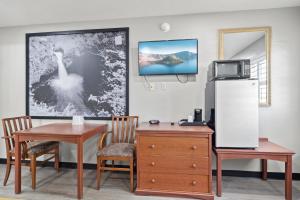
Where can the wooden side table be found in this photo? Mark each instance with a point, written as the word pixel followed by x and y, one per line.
pixel 266 151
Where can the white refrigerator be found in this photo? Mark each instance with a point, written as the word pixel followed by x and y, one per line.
pixel 235 104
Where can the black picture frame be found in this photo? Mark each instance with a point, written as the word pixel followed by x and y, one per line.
pixel 109 31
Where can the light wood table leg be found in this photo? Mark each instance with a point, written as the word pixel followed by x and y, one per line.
pixel 80 169
pixel 288 178
pixel 219 176
pixel 17 165
pixel 264 169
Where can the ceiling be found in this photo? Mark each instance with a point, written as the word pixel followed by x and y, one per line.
pixel 28 12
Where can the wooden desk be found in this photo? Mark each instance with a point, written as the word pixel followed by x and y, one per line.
pixel 174 161
pixel 65 132
pixel 266 151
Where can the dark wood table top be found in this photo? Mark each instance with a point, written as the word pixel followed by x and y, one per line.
pixel 66 129
pixel 167 127
pixel 265 147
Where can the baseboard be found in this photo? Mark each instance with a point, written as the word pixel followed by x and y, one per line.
pixel 2 161
pixel 235 173
pixel 255 174
pixel 68 165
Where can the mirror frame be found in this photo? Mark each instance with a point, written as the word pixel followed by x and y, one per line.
pixel 268 34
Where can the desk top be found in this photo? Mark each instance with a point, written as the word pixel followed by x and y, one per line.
pixel 265 147
pixel 66 129
pixel 167 127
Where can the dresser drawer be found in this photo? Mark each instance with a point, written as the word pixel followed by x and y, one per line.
pixel 174 182
pixel 169 146
pixel 179 164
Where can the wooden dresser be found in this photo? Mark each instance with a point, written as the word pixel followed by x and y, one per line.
pixel 174 160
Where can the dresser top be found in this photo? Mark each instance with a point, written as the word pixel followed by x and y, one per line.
pixel 167 127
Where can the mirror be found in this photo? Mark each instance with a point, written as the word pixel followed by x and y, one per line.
pixel 253 44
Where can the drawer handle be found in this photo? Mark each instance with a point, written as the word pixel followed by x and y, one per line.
pixel 194 147
pixel 152 146
pixel 153 180
pixel 153 163
pixel 194 165
pixel 194 182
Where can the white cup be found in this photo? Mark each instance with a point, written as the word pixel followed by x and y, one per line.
pixel 190 119
pixel 77 120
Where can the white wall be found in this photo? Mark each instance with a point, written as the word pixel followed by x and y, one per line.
pixel 280 122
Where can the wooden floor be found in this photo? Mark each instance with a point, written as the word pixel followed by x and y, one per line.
pixel 62 186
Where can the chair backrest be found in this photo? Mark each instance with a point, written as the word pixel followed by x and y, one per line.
pixel 11 125
pixel 123 128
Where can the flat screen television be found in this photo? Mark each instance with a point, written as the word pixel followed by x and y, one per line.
pixel 168 57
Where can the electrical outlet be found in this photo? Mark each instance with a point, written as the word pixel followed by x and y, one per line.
pixel 163 86
pixel 151 86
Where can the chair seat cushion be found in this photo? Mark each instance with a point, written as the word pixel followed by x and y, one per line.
pixel 35 147
pixel 117 149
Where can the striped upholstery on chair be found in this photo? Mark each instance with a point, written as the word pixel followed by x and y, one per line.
pixel 117 149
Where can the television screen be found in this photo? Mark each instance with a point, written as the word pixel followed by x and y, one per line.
pixel 168 57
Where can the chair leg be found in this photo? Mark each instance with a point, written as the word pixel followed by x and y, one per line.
pixel 33 170
pixel 8 167
pixel 56 159
pixel 131 175
pixel 99 164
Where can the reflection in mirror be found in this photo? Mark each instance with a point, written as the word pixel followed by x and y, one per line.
pixel 253 44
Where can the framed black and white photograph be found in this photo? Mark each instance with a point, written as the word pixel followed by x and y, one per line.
pixel 81 72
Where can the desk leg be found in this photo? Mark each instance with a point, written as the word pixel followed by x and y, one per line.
pixel 219 176
pixel 17 165
pixel 80 169
pixel 288 178
pixel 264 169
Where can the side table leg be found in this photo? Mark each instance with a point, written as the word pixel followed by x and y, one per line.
pixel 288 178
pixel 219 176
pixel 80 169
pixel 264 169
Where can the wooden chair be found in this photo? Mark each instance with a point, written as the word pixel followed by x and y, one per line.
pixel 121 148
pixel 30 149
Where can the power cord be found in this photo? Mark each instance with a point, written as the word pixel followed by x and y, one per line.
pixel 147 82
pixel 187 79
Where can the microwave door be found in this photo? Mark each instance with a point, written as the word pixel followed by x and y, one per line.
pixel 227 70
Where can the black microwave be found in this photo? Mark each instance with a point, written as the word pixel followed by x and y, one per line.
pixel 229 69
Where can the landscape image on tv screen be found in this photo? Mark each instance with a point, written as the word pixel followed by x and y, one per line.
pixel 168 57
